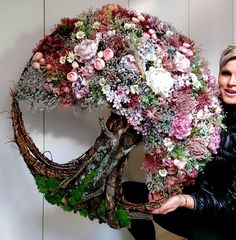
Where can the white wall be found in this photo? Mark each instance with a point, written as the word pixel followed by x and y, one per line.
pixel 24 215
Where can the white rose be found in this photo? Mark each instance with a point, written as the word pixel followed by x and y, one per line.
pixel 159 80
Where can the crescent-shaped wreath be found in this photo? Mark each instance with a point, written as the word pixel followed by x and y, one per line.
pixel 160 92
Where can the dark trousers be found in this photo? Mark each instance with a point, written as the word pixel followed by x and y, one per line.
pixel 183 222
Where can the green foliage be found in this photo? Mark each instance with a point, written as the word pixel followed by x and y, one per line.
pixel 195 132
pixel 149 99
pixel 178 152
pixel 197 66
pixel 123 217
pixel 165 127
pixel 96 92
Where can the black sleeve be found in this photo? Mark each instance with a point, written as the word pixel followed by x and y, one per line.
pixel 216 193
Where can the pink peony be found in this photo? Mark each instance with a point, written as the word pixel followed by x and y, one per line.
pixel 181 126
pixel 86 50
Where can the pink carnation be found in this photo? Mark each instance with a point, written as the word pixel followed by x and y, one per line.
pixel 197 147
pixel 181 126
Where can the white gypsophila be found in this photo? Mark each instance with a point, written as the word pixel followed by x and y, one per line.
pixel 182 63
pixel 159 80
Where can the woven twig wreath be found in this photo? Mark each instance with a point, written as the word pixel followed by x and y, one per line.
pixel 160 92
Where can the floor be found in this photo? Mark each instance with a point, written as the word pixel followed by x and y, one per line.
pixel 162 234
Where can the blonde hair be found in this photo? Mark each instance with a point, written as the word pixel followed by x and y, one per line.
pixel 228 54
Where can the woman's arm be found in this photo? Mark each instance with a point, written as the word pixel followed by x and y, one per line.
pixel 180 200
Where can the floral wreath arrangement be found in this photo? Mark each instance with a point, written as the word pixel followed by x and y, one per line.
pixel 160 92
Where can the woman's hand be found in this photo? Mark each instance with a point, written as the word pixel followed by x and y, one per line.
pixel 180 200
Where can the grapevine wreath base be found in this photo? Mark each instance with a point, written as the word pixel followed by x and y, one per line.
pixel 103 200
pixel 159 90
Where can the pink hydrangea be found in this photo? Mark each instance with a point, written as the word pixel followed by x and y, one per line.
pixel 214 140
pixel 181 126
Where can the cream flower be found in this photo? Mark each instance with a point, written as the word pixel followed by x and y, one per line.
pixel 163 172
pixel 86 50
pixel 159 80
pixel 182 63
pixel 80 35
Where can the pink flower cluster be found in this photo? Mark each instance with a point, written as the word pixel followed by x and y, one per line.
pixel 181 126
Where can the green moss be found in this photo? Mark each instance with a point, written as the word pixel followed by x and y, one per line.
pixel 123 217
pixel 102 208
pixel 79 191
pixel 84 212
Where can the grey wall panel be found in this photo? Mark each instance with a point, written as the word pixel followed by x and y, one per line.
pixel 21 205
pixel 211 27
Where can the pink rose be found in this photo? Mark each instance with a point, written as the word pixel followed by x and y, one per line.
pixel 36 65
pixel 86 50
pixel 135 20
pixel 37 56
pixel 151 31
pixel 75 65
pixel 141 18
pixel 99 64
pixel 108 54
pixel 146 35
pixel 72 76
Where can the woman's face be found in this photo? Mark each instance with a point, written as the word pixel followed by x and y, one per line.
pixel 227 82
